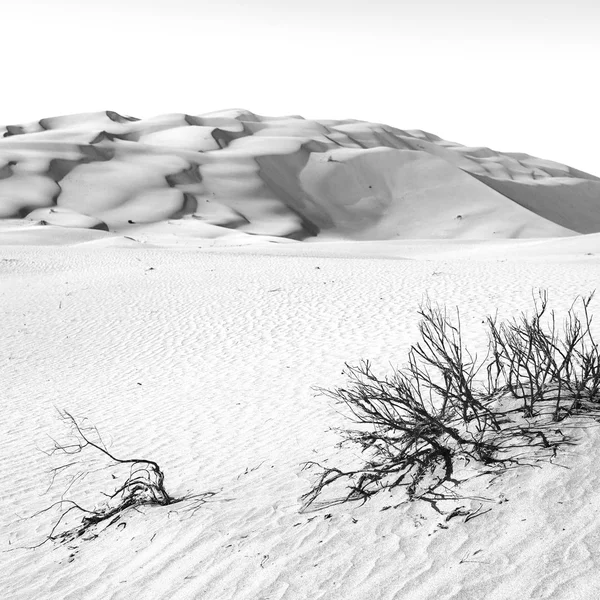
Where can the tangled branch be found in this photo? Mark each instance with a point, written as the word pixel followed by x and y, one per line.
pixel 143 486
pixel 415 424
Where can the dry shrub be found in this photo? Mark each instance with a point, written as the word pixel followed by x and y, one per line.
pixel 415 424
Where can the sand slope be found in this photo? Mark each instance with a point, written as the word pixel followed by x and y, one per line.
pixel 285 177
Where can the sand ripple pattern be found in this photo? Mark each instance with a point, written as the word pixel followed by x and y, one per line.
pixel 206 363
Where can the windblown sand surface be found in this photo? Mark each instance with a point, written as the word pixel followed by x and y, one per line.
pixel 206 362
pixel 222 177
pixel 155 278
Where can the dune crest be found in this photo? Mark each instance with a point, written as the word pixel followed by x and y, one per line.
pixel 282 177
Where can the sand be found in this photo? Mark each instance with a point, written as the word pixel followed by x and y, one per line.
pixel 282 177
pixel 197 341
pixel 205 361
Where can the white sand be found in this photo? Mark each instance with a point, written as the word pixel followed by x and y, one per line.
pixel 226 347
pixel 285 177
pixel 195 339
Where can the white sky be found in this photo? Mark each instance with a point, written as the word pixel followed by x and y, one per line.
pixel 513 75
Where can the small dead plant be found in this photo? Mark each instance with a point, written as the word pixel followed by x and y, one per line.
pixel 143 484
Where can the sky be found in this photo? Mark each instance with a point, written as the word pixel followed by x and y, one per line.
pixel 519 76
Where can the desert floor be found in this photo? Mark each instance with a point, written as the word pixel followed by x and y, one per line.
pixel 206 361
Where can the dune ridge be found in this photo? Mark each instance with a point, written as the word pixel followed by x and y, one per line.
pixel 232 174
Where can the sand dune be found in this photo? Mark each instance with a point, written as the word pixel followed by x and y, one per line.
pixel 284 177
pixel 153 281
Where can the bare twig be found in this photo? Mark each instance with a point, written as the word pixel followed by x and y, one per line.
pixel 144 485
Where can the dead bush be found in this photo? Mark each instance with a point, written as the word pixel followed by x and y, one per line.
pixel 415 424
pixel 143 483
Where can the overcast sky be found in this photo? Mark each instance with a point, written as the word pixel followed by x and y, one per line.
pixel 512 75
